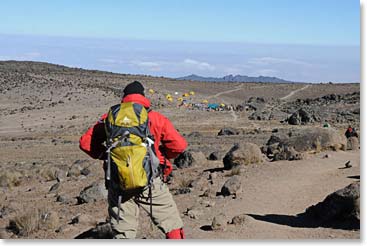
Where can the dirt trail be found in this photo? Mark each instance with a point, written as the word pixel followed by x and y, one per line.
pixel 225 92
pixel 274 193
pixel 294 92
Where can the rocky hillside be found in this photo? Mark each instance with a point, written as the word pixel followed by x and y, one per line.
pixel 263 167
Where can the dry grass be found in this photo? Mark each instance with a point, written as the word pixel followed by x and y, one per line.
pixel 33 220
pixel 48 173
pixel 184 183
pixel 10 179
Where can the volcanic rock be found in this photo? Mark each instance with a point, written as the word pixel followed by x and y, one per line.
pixel 242 154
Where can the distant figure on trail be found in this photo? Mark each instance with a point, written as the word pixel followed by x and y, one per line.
pixel 351 132
pixel 135 143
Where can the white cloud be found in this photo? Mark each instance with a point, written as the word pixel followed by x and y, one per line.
pixel 32 54
pixel 275 60
pixel 232 70
pixel 109 61
pixel 267 72
pixel 152 66
pixel 198 64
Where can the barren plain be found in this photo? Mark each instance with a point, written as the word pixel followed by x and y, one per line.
pixel 45 108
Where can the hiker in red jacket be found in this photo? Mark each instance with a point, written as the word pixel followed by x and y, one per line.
pixel 168 144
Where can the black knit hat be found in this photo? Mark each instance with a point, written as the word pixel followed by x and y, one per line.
pixel 134 88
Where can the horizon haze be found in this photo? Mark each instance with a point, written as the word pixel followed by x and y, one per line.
pixel 310 41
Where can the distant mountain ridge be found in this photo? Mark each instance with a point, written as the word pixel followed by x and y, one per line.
pixel 236 78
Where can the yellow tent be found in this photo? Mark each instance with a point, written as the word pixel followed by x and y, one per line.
pixel 205 101
pixel 180 99
pixel 151 91
pixel 168 95
pixel 186 95
pixel 222 105
pixel 170 99
pixel 192 93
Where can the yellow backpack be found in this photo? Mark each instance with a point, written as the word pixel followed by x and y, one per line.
pixel 130 147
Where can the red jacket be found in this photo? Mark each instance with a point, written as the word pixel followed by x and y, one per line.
pixel 161 128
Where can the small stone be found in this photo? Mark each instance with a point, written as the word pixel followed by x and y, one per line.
pixel 348 165
pixel 60 229
pixel 214 156
pixel 219 222
pixel 207 203
pixel 231 186
pixel 55 187
pixel 62 199
pixel 184 190
pixel 194 212
pixel 239 219
pixel 85 171
pixel 83 219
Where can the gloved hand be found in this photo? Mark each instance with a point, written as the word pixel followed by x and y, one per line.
pixel 165 172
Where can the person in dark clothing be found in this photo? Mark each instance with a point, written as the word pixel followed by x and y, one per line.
pixel 351 132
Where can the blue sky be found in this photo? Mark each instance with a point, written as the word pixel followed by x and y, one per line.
pixel 313 40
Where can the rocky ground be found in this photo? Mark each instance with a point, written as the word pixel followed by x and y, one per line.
pixel 267 171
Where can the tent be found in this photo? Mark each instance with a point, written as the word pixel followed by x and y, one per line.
pixel 213 105
pixel 151 91
pixel 192 93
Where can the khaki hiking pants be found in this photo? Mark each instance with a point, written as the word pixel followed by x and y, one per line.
pixel 165 212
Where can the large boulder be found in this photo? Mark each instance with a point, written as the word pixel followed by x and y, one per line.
pixel 260 115
pixel 231 186
pixel 242 154
pixel 273 140
pixel 219 222
pixel 300 117
pixel 92 193
pixel 317 139
pixel 292 146
pixel 342 205
pixel 198 158
pixel 228 131
pixel 101 231
pixel 190 158
pixel 184 160
pixel 256 104
pixel 214 156
pixel 285 152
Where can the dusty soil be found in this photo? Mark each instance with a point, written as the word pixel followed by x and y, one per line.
pixel 45 108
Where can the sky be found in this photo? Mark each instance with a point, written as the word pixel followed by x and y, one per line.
pixel 310 41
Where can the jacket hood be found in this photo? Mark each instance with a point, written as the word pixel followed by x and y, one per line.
pixel 137 98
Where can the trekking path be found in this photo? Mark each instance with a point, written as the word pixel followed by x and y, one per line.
pixel 226 92
pixel 294 92
pixel 274 193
